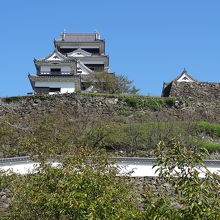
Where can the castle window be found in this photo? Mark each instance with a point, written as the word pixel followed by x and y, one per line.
pixel 54 89
pixel 55 71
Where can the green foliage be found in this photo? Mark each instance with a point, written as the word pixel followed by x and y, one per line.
pixel 135 137
pixel 193 197
pixel 41 134
pixel 211 147
pixel 20 98
pixel 208 128
pixel 8 138
pixel 170 102
pixel 36 134
pixel 12 99
pixel 86 186
pixel 154 103
pixel 110 83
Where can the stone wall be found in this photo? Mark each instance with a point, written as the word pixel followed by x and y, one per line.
pixel 199 107
pixel 196 91
pixel 70 103
pixel 4 201
pixel 157 185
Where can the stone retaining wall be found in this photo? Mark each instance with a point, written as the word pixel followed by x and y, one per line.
pixel 84 104
pixel 196 91
pixel 185 109
pixel 4 201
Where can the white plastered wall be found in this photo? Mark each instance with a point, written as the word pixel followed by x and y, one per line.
pixel 47 68
pixel 93 62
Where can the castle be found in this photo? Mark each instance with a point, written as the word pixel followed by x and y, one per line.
pixel 76 56
pixel 79 55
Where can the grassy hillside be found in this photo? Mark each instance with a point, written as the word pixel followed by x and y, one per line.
pixel 130 130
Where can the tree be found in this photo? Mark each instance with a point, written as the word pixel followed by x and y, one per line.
pixel 110 83
pixel 192 197
pixel 85 186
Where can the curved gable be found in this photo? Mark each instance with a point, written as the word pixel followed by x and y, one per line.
pixel 55 56
pixel 185 78
pixel 79 53
pixel 82 69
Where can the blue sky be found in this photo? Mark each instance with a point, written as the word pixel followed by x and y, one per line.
pixel 147 41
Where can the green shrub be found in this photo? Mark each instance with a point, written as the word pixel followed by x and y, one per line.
pixel 170 102
pixel 193 197
pixel 210 146
pixel 20 98
pixel 12 99
pixel 208 128
pixel 82 189
pixel 154 103
pixel 133 101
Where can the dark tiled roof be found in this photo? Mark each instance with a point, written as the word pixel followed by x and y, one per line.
pixel 185 72
pixel 127 160
pixel 68 60
pixel 65 58
pixel 178 77
pixel 76 37
pixel 14 159
pixel 60 78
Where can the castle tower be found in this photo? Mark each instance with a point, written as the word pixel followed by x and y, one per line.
pixel 76 55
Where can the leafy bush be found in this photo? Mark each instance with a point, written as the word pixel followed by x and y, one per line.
pixel 110 83
pixel 81 189
pixel 130 134
pixel 133 137
pixel 192 197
